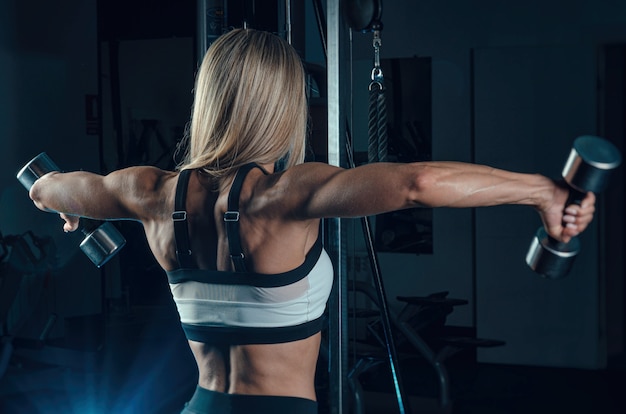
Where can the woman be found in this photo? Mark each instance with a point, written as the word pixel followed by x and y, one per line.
pixel 240 241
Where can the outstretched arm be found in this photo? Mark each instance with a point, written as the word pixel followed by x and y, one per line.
pixel 327 191
pixel 123 194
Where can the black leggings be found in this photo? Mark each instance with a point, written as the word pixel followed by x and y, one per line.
pixel 205 401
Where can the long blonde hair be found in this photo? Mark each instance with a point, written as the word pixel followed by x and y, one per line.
pixel 249 106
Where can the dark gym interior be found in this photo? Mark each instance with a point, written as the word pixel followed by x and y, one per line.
pixel 104 84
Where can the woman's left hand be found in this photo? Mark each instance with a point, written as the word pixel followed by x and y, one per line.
pixel 71 222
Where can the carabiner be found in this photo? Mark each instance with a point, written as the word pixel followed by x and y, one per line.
pixel 377 72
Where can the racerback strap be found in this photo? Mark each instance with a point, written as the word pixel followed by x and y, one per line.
pixel 179 216
pixel 231 218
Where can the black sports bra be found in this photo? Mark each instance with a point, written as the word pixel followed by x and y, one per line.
pixel 242 307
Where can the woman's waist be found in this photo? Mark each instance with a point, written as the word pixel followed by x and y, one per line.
pixel 205 400
pixel 286 369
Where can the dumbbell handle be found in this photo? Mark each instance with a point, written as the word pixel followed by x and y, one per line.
pixel 575 197
pixel 87 225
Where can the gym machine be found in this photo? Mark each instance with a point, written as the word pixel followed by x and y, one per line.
pixel 25 264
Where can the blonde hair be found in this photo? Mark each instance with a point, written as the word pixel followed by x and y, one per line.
pixel 249 106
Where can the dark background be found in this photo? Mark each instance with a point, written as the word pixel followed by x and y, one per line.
pixel 502 84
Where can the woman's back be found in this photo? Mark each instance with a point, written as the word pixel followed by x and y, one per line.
pixel 265 360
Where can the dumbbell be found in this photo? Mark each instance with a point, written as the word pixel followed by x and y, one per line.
pixel 588 167
pixel 102 239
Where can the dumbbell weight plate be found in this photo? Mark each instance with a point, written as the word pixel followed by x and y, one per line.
pixel 36 168
pixel 102 243
pixel 547 261
pixel 589 164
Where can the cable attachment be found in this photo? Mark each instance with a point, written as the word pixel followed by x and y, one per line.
pixel 377 114
pixel 377 71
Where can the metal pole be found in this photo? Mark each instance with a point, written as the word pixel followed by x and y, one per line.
pixel 201 43
pixel 210 21
pixel 288 20
pixel 338 326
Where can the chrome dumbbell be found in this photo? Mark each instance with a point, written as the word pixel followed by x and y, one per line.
pixel 102 239
pixel 588 167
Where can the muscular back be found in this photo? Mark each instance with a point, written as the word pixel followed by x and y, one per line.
pixel 271 245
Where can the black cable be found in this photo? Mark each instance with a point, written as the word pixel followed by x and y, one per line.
pixel 403 403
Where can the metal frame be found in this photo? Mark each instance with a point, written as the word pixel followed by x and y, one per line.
pixel 337 32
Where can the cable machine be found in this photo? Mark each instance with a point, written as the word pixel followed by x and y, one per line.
pixel 364 16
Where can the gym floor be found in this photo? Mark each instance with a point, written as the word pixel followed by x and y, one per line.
pixel 138 362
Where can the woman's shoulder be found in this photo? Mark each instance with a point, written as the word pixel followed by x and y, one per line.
pixel 145 177
pixel 144 187
pixel 283 193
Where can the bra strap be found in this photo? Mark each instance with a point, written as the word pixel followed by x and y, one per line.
pixel 231 218
pixel 179 216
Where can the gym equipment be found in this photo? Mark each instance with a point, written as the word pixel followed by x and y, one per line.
pixel 102 239
pixel 368 19
pixel 363 15
pixel 588 166
pixel 24 265
pixel 420 330
pixel 377 112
